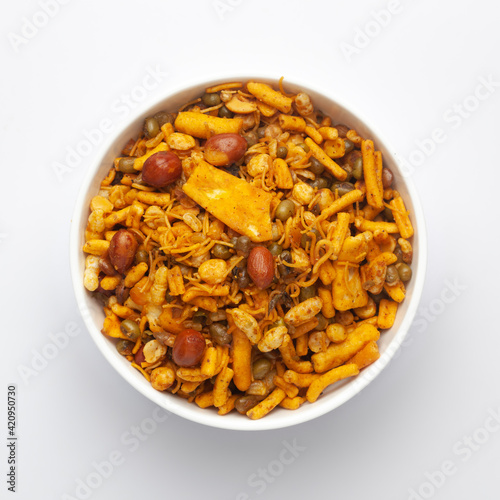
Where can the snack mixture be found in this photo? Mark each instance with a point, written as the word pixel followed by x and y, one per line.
pixel 248 250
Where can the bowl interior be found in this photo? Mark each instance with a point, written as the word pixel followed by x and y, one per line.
pixel 333 397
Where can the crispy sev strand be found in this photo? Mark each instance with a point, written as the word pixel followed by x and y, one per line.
pixel 110 282
pixel 314 134
pixel 372 226
pixel 222 358
pixel 396 292
pixel 369 321
pixel 305 328
pixel 96 247
pixel 373 193
pixel 290 389
pixel 221 385
pixel 366 356
pixel 280 368
pixel 328 133
pixel 167 129
pixel 282 174
pixel 224 86
pixel 293 123
pixel 292 403
pixel 189 386
pixel 137 345
pixel 339 204
pixel 336 354
pixel 326 273
pixel 176 281
pixel 302 345
pixel 191 374
pixel 242 356
pixel 329 252
pixel 205 399
pixel 340 232
pixel 197 290
pixel 401 217
pixel 229 405
pixel 266 109
pixel 213 108
pixel 378 168
pixel 135 274
pixel 203 126
pixel 207 303
pixel 108 179
pixel 209 362
pixel 353 136
pixel 332 167
pixel 407 250
pixel 264 407
pixel 268 95
pixel 152 143
pixel 328 310
pixel 158 199
pixel 300 379
pixel 329 378
pixel 290 357
pixel 282 90
pixel 190 103
pixel 137 367
pixel 122 311
pixel 369 212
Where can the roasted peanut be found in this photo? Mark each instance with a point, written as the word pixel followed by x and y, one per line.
pixel 161 169
pixel 122 250
pixel 189 346
pixel 223 149
pixel 260 266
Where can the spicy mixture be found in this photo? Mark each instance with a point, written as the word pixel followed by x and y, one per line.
pixel 248 250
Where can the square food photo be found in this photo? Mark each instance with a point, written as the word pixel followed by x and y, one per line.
pixel 244 254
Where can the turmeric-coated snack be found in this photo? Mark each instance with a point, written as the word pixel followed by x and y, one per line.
pixel 248 250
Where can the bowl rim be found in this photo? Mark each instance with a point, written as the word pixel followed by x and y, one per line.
pixel 171 404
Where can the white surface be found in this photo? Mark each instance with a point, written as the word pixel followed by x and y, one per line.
pixel 430 410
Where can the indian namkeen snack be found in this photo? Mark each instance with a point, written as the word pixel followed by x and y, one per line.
pixel 248 250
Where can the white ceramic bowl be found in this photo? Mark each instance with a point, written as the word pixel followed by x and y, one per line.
pixel 390 340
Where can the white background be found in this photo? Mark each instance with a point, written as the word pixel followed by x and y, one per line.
pixel 429 411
